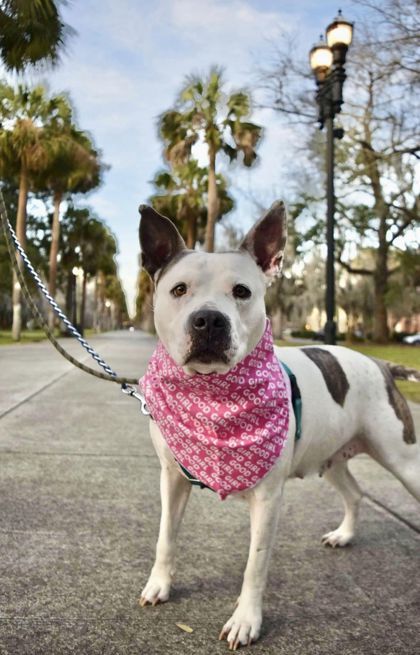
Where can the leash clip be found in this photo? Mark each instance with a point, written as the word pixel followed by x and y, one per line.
pixel 129 390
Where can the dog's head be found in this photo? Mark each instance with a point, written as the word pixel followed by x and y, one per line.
pixel 209 307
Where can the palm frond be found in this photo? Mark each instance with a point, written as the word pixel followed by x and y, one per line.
pixel 31 33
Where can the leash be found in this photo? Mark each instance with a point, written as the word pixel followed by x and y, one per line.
pixel 14 245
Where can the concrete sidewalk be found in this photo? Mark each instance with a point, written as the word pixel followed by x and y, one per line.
pixel 79 514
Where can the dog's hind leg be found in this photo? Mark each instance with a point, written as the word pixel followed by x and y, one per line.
pixel 392 437
pixel 392 441
pixel 340 477
pixel 403 461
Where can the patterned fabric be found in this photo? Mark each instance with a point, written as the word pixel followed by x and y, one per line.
pixel 227 430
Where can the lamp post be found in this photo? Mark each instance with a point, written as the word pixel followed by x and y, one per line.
pixel 327 61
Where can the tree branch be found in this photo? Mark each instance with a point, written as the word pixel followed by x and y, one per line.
pixel 351 269
pixel 400 230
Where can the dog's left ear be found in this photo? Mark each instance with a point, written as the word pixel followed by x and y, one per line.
pixel 266 241
pixel 160 241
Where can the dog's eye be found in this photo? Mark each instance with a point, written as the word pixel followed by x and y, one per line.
pixel 179 290
pixel 241 291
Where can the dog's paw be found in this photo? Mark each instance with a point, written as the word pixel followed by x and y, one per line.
pixel 337 537
pixel 156 590
pixel 243 627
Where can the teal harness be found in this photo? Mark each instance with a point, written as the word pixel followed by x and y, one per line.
pixel 297 410
pixel 296 401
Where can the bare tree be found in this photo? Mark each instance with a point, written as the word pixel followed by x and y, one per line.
pixel 399 32
pixel 376 161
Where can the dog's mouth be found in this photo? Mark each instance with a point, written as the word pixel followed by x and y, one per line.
pixel 206 356
pixel 204 361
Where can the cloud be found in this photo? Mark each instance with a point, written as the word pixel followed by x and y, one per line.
pixel 235 18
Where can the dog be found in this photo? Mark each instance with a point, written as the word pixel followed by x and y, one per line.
pixel 210 316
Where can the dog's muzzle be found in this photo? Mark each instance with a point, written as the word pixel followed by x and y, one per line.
pixel 210 334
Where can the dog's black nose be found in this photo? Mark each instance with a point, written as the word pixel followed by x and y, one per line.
pixel 208 322
pixel 210 336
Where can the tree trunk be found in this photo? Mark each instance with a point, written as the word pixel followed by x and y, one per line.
pixel 212 202
pixel 191 231
pixel 380 278
pixel 350 326
pixel 21 235
pixel 380 316
pixel 83 305
pixel 69 293
pixel 95 305
pixel 277 321
pixel 74 299
pixel 55 239
pixel 101 301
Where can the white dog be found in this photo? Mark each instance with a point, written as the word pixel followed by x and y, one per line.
pixel 209 316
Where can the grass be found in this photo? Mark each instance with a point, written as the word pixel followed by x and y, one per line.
pixel 30 336
pixel 397 353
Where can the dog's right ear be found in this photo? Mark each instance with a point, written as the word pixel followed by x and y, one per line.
pixel 160 241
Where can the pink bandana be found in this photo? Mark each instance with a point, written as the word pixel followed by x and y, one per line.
pixel 227 430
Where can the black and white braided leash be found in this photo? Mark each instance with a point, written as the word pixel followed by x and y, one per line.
pixel 110 375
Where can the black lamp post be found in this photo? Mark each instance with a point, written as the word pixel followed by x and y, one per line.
pixel 327 62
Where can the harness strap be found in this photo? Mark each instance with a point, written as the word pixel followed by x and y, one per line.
pixel 191 478
pixel 296 400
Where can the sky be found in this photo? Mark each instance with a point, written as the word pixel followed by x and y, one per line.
pixel 127 63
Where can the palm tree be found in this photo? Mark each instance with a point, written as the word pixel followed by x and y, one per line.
pixel 204 111
pixel 86 242
pixel 181 195
pixel 73 167
pixel 27 117
pixel 98 249
pixel 31 32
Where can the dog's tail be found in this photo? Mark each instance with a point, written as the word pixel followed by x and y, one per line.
pixel 400 372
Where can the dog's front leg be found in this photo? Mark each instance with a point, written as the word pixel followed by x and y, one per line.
pixel 174 490
pixel 244 625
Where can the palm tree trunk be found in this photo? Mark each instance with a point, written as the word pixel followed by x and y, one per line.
pixel 55 239
pixel 212 202
pixel 95 305
pixel 21 235
pixel 83 305
pixel 69 293
pixel 101 303
pixel 191 231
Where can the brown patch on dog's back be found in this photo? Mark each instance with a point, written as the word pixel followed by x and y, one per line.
pixel 398 403
pixel 332 372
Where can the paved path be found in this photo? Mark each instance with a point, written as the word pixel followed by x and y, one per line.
pixel 79 515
